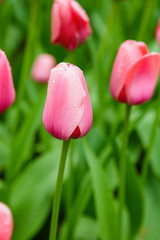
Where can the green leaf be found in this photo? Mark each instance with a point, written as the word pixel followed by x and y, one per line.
pixel 155 153
pixel 3 187
pixel 150 229
pixel 144 127
pixel 86 229
pixel 134 199
pixel 24 138
pixel 112 174
pixel 31 195
pixel 104 201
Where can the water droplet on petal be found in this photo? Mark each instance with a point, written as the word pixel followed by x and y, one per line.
pixel 74 105
pixel 53 81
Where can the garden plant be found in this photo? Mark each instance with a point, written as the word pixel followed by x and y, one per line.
pixel 79 120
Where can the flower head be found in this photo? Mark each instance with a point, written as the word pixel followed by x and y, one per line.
pixel 42 66
pixel 67 112
pixel 7 91
pixel 6 222
pixel 70 24
pixel 135 73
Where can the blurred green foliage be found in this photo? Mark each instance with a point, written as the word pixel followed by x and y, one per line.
pixel 29 156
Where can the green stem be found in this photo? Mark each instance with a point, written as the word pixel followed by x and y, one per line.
pixel 25 71
pixel 70 185
pixel 108 28
pixel 58 191
pixel 151 142
pixel 104 43
pixel 145 19
pixel 123 171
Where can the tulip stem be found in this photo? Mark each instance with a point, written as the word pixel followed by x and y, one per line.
pixel 123 160
pixel 145 19
pixel 28 52
pixel 151 142
pixel 58 191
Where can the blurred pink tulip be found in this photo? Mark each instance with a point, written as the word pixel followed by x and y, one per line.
pixel 157 32
pixel 70 24
pixel 42 66
pixel 7 91
pixel 135 73
pixel 6 222
pixel 67 112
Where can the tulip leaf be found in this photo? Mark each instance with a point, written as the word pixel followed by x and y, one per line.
pixel 30 195
pixel 144 127
pixel 104 201
pixel 150 229
pixel 134 199
pixel 86 229
pixel 155 153
pixel 84 194
pixel 24 138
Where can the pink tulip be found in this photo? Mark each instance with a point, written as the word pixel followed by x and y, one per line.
pixel 7 91
pixel 6 222
pixel 67 112
pixel 135 73
pixel 42 66
pixel 157 32
pixel 70 24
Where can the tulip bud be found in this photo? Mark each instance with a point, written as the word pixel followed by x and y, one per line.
pixel 70 24
pixel 67 112
pixel 6 222
pixel 157 32
pixel 135 73
pixel 41 67
pixel 7 91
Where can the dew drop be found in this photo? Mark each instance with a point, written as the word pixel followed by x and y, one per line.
pixel 53 81
pixel 74 105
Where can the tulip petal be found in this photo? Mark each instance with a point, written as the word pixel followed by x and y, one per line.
pixel 86 121
pixel 42 66
pixel 129 52
pixel 142 78
pixel 6 222
pixel 69 33
pixel 55 23
pixel 7 91
pixel 64 105
pixel 79 10
pixel 82 21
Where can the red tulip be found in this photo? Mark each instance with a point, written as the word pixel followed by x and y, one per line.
pixel 135 73
pixel 70 24
pixel 67 112
pixel 7 91
pixel 157 32
pixel 6 222
pixel 42 67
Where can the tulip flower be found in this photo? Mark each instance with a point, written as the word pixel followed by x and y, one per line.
pixel 135 73
pixel 157 32
pixel 42 66
pixel 6 222
pixel 70 24
pixel 7 91
pixel 67 112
